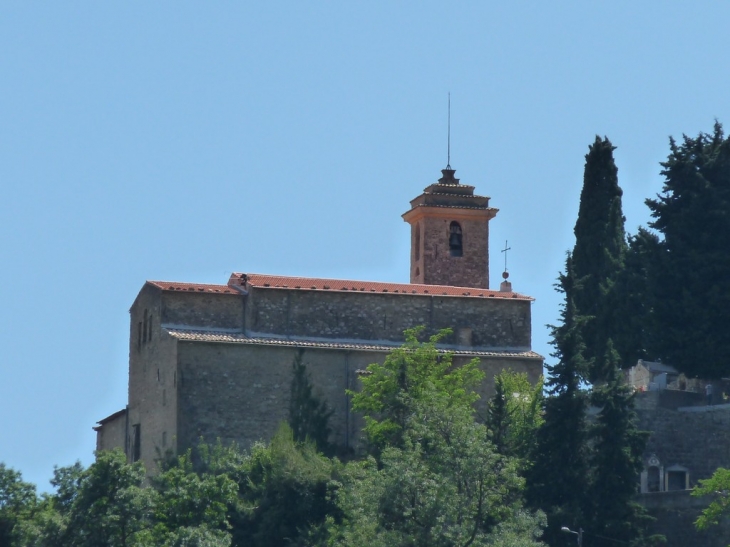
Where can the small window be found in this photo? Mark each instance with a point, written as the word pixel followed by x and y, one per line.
pixel 144 328
pixel 677 478
pixel 164 439
pixel 455 243
pixel 136 442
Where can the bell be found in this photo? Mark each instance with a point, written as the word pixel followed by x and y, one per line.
pixel 455 241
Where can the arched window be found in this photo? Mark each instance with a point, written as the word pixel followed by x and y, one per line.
pixel 455 244
pixel 653 482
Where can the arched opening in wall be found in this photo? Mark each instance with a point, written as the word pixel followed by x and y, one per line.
pixel 653 480
pixel 455 241
pixel 418 271
pixel 417 242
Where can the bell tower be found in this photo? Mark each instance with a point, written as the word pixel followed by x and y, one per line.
pixel 450 234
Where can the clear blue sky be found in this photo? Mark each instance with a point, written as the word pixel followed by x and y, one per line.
pixel 182 141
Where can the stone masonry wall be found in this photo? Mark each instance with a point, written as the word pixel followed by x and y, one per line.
pixel 699 440
pixel 440 268
pixel 495 322
pixel 240 392
pixel 152 380
pixel 112 434
pixel 675 514
pixel 206 310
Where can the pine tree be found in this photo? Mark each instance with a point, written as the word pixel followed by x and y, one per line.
pixel 692 289
pixel 557 481
pixel 617 448
pixel 598 255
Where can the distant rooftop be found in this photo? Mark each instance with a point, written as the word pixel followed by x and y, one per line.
pixel 333 285
pixel 344 285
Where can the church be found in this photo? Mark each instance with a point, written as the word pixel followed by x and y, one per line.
pixel 215 361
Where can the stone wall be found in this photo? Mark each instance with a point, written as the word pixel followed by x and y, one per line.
pixel 152 381
pixel 675 514
pixel 112 432
pixel 318 314
pixel 241 392
pixel 202 309
pixel 440 268
pixel 697 438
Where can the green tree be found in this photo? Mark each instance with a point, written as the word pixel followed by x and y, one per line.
pixel 437 480
pixel 390 390
pixel 104 504
pixel 718 488
pixel 598 255
pixel 308 415
pixel 617 448
pixel 559 475
pixel 692 289
pixel 634 336
pixel 18 500
pixel 287 493
pixel 515 414
pixel 192 504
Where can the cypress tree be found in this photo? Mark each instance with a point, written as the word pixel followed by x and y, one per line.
pixel 692 288
pixel 617 448
pixel 558 478
pixel 598 255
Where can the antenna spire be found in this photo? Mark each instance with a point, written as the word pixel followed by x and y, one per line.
pixel 448 138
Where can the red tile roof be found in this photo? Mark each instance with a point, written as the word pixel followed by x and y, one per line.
pixel 193 287
pixel 341 285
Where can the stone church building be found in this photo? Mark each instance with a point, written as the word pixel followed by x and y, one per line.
pixel 215 361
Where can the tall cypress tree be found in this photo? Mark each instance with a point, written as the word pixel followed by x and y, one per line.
pixel 558 478
pixel 617 448
pixel 692 288
pixel 598 255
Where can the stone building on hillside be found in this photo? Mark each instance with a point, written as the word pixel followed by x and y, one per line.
pixel 215 361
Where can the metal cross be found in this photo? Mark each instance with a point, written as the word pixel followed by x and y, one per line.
pixel 505 254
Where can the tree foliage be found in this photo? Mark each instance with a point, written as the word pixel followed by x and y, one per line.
pixel 308 414
pixel 559 475
pixel 18 500
pixel 437 479
pixel 598 255
pixel 389 391
pixel 615 460
pixel 718 488
pixel 692 288
pixel 515 414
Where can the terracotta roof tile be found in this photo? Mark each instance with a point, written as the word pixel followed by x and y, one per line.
pixel 193 287
pixel 343 285
pixel 238 338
